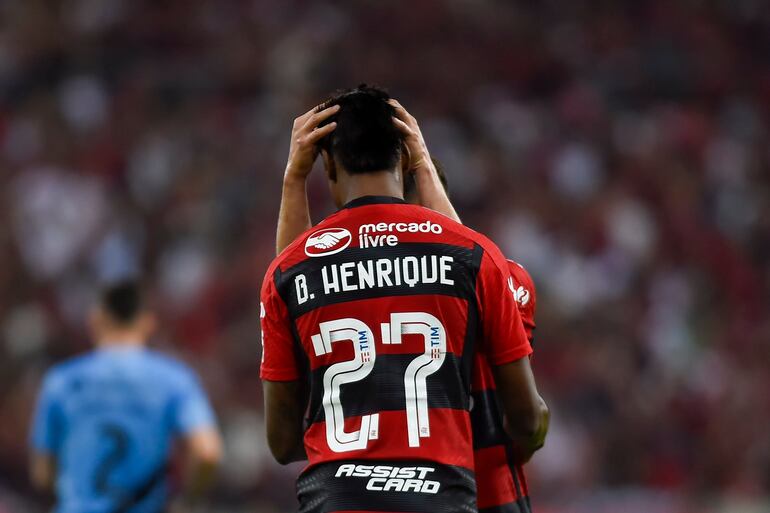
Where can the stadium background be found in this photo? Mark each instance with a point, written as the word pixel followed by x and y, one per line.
pixel 618 149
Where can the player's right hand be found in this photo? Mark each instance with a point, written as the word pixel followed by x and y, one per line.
pixel 304 136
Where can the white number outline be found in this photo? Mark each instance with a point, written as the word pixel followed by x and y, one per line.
pixel 416 375
pixel 357 369
pixel 341 373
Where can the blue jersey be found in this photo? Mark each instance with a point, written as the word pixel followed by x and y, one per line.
pixel 109 419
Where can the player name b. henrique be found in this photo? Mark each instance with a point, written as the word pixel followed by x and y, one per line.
pixel 374 273
pixel 386 272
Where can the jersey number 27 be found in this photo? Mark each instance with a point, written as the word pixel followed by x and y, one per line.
pixel 365 354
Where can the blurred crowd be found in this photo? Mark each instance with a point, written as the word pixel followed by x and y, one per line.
pixel 617 149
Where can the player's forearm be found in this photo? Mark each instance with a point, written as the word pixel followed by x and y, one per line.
pixel 204 453
pixel 199 478
pixel 285 403
pixel 294 214
pixel 42 472
pixel 293 454
pixel 526 414
pixel 285 436
pixel 432 193
pixel 529 431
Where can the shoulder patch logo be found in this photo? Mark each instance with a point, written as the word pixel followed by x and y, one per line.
pixel 327 241
pixel 520 294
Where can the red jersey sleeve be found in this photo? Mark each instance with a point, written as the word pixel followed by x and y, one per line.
pixel 525 296
pixel 279 361
pixel 505 339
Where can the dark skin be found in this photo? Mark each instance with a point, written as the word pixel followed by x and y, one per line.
pixel 285 402
pixel 517 391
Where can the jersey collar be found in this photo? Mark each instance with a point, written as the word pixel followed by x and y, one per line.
pixel 372 200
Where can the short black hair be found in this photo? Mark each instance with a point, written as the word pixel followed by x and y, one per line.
pixel 366 139
pixel 122 301
pixel 410 184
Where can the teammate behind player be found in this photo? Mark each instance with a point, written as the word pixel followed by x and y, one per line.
pixel 500 477
pixel 106 421
pixel 501 482
pixel 383 327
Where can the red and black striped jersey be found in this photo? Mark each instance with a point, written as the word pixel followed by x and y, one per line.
pixel 502 485
pixel 382 307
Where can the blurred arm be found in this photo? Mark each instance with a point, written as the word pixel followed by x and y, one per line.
pixel 196 424
pixel 46 435
pixel 203 450
pixel 294 214
pixel 527 415
pixel 285 403
pixel 42 471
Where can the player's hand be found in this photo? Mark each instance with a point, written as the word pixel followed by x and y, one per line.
pixel 304 136
pixel 431 192
pixel 419 157
pixel 179 506
pixel 518 454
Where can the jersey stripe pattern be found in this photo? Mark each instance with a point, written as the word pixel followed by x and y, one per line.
pixel 383 308
pixel 502 486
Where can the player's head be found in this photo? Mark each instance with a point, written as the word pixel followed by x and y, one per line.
pixel 366 140
pixel 410 185
pixel 120 315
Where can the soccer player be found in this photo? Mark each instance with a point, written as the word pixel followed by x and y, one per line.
pixel 500 479
pixel 502 485
pixel 106 421
pixel 370 324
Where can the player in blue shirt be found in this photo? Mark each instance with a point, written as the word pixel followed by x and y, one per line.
pixel 106 422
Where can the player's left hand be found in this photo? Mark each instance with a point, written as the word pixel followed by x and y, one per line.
pixel 305 133
pixel 179 506
pixel 419 157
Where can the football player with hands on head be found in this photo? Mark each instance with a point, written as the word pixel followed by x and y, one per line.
pixel 443 288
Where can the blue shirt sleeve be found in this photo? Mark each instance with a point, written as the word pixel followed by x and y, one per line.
pixel 47 424
pixel 192 410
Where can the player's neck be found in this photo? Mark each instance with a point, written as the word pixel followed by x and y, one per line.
pixel 382 183
pixel 119 339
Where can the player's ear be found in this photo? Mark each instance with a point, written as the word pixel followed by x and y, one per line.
pixel 329 165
